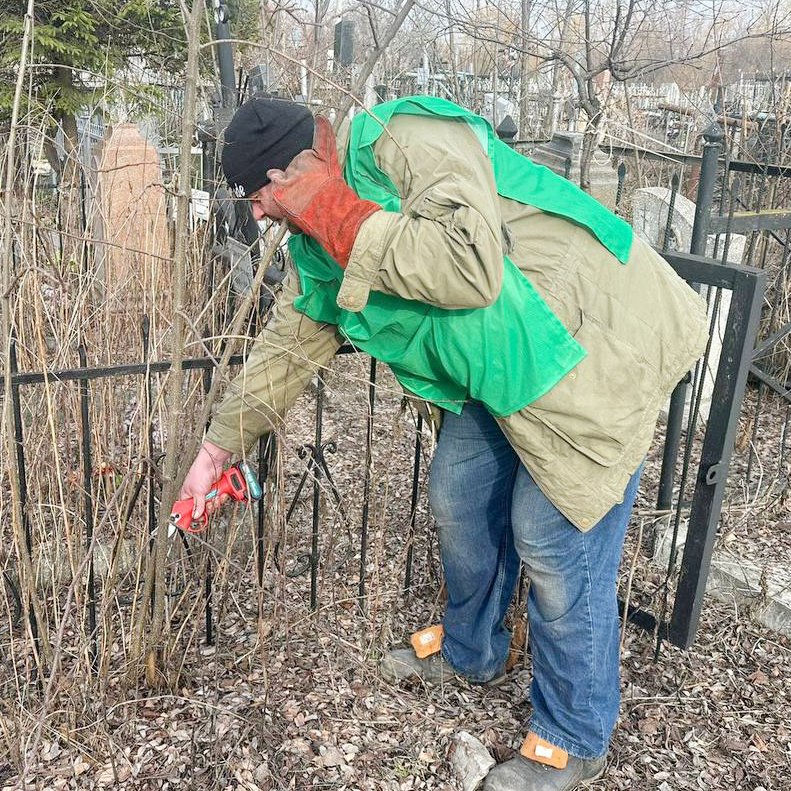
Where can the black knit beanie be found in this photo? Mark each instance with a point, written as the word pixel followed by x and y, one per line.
pixel 263 134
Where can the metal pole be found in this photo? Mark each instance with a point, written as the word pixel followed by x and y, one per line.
pixel 712 138
pixel 246 225
pixel 87 495
pixel 712 141
pixel 621 182
pixel 267 448
pixel 19 442
pixel 314 536
pixel 369 436
pixel 225 56
pixel 413 507
pixel 207 592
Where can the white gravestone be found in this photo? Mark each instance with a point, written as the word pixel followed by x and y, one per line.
pixel 649 220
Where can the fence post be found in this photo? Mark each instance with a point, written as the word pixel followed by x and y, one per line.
pixel 316 515
pixel 671 207
pixel 712 138
pixel 413 506
pixel 709 166
pixel 369 438
pixel 619 191
pixel 225 55
pixel 267 457
pixel 19 441
pixel 87 494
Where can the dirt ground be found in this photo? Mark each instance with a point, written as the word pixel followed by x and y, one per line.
pixel 290 698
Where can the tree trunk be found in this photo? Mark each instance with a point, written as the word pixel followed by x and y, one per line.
pixel 525 71
pixel 69 171
pixel 589 144
pixel 153 644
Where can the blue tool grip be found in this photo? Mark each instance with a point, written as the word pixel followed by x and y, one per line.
pixel 253 487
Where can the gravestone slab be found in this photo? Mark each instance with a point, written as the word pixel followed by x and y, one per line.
pixel 650 207
pixel 130 216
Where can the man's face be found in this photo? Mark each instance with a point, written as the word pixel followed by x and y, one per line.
pixel 263 204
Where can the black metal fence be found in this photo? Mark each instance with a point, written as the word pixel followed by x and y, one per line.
pixel 741 215
pixel 696 468
pixel 707 477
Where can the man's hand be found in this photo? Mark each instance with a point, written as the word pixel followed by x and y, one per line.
pixel 313 196
pixel 205 470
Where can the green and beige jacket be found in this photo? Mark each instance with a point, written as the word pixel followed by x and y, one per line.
pixel 454 241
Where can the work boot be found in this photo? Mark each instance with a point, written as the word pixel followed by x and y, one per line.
pixel 423 661
pixel 542 767
pixel 400 664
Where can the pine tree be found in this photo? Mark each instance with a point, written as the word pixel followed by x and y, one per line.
pixel 78 47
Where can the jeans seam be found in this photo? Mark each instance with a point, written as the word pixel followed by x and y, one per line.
pixel 502 559
pixel 592 641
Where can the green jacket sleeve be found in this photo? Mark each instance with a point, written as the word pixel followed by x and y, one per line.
pixel 284 358
pixel 445 246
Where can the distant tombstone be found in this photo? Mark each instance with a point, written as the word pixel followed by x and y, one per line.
pixel 344 43
pixel 650 207
pixel 381 93
pixel 260 81
pixel 563 155
pixel 129 217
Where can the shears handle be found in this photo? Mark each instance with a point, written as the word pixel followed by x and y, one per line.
pixel 238 482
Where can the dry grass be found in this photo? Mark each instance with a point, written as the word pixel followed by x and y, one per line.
pixel 289 698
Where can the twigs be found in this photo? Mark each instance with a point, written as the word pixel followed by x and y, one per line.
pixel 30 600
pixel 375 54
pixel 154 581
pixel 629 580
pixel 55 669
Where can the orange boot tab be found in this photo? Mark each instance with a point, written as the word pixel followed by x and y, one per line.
pixel 427 641
pixel 536 749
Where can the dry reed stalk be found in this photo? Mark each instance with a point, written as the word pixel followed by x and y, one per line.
pixel 629 580
pixel 59 646
pixel 30 596
pixel 150 644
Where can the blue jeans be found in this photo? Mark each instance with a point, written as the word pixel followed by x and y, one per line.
pixel 490 514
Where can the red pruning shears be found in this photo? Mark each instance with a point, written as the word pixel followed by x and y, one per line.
pixel 238 482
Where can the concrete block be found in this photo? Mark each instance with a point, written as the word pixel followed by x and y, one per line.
pixel 763 593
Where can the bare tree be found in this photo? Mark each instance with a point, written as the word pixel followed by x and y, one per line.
pixel 589 45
